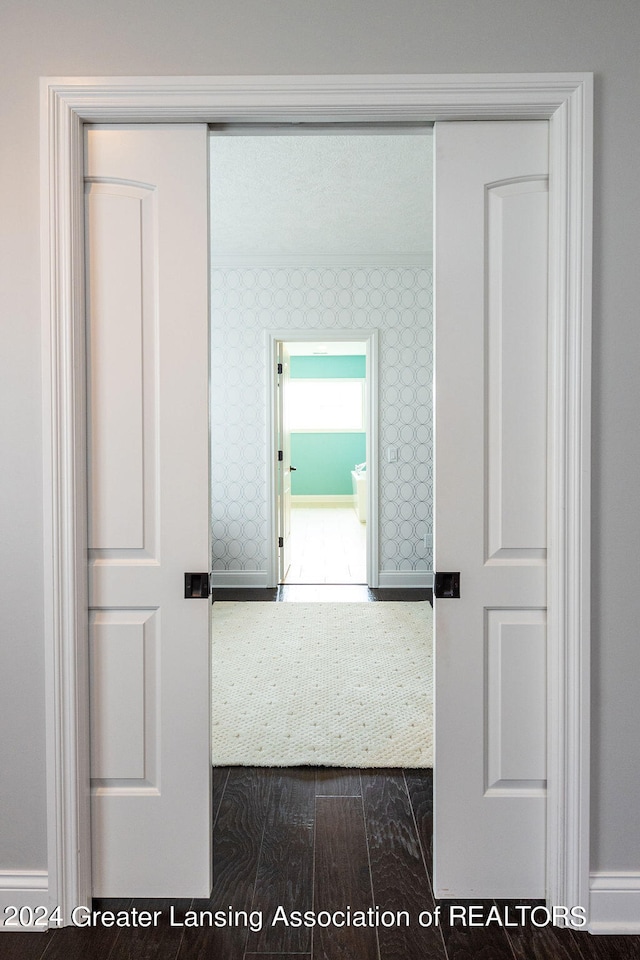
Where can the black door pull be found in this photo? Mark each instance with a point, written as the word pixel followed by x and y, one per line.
pixel 196 586
pixel 446 586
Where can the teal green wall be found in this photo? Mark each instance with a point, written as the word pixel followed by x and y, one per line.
pixel 324 461
pixel 316 368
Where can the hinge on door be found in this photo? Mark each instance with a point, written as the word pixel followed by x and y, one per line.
pixel 281 541
pixel 279 368
pixel 280 456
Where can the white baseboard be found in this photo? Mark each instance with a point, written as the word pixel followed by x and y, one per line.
pixel 322 499
pixel 614 903
pixel 258 578
pixel 405 578
pixel 238 578
pixel 23 888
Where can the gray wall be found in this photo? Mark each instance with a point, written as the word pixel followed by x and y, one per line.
pixel 84 37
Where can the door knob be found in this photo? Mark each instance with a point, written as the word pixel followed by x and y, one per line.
pixel 293 469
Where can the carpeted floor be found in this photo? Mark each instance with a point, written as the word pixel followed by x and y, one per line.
pixel 345 684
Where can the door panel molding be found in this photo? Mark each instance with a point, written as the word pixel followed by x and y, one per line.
pixel 566 100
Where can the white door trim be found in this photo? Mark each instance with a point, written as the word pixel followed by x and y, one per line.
pixel 566 100
pixel 370 338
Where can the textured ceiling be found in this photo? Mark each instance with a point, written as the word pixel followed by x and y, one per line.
pixel 325 194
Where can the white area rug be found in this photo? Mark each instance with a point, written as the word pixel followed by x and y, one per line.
pixel 328 684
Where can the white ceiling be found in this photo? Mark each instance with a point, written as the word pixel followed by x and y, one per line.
pixel 325 194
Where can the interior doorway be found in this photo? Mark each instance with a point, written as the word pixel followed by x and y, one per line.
pixel 322 234
pixel 62 133
pixel 321 443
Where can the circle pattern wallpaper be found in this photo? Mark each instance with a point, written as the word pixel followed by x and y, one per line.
pixel 246 302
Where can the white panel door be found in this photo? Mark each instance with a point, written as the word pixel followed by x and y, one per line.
pixel 284 464
pixel 491 242
pixel 147 333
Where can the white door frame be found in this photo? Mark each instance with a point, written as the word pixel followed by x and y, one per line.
pixel 370 339
pixel 566 100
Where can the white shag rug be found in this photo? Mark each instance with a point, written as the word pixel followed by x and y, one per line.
pixel 327 684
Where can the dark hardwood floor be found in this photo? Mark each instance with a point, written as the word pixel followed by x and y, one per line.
pixel 323 592
pixel 324 841
pixel 321 840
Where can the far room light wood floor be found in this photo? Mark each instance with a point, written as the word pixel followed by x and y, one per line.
pixel 328 545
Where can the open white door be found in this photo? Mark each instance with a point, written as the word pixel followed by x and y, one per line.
pixel 491 242
pixel 147 295
pixel 283 447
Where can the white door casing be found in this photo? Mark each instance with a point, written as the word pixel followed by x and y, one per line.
pixel 564 99
pixel 283 446
pixel 490 284
pixel 148 498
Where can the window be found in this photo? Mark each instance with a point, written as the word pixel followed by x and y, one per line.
pixel 326 405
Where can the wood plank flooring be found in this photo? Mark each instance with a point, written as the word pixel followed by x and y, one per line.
pixel 328 544
pixel 315 839
pixel 323 593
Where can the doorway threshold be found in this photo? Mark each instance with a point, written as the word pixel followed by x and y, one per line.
pixel 323 593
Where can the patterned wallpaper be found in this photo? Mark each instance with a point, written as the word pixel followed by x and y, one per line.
pixel 247 301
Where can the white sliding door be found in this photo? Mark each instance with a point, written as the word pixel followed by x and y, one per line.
pixel 147 298
pixel 491 214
